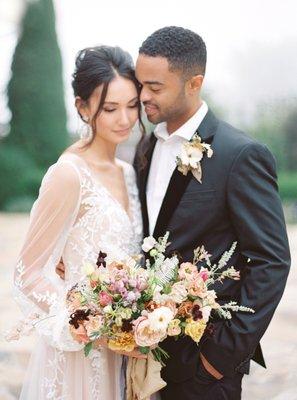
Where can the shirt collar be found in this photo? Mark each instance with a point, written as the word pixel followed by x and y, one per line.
pixel 187 130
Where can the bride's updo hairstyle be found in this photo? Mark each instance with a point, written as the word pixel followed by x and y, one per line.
pixel 96 66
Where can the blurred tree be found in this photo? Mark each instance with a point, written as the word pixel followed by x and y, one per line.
pixel 290 131
pixel 35 90
pixel 38 132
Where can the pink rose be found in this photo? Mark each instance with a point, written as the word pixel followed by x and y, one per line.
pixel 204 273
pixel 104 299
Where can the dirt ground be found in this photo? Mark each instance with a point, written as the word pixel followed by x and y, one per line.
pixel 278 382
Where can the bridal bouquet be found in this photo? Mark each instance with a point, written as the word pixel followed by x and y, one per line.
pixel 138 303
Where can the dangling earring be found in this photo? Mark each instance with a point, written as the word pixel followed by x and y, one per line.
pixel 86 130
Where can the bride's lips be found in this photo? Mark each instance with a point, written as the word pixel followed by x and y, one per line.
pixel 122 132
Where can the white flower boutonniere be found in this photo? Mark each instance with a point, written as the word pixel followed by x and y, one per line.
pixel 191 155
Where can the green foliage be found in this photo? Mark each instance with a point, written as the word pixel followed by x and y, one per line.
pixel 268 131
pixel 88 347
pixel 38 132
pixel 20 178
pixel 290 131
pixel 288 185
pixel 277 128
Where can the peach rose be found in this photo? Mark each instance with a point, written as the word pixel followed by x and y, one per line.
pixel 197 287
pixel 186 270
pixel 143 335
pixel 93 324
pixel 79 334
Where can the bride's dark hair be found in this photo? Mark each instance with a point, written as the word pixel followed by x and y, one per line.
pixel 95 66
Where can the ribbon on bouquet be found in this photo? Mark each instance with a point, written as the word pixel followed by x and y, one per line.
pixel 143 377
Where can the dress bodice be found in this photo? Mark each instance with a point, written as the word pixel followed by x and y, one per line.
pixel 102 223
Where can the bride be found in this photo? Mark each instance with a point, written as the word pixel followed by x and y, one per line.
pixel 88 202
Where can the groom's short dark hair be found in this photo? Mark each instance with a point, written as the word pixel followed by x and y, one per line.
pixel 184 49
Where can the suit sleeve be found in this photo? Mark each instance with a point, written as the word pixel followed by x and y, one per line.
pixel 257 217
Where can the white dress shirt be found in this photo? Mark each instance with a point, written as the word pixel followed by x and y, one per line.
pixel 163 163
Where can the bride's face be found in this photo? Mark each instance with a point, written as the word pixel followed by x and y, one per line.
pixel 119 113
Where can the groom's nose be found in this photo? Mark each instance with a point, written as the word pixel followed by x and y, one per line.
pixel 145 95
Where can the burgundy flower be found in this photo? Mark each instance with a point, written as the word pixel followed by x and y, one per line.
pixel 210 329
pixel 127 325
pixel 78 317
pixel 101 259
pixel 197 314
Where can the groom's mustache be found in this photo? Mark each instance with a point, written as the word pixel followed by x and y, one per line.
pixel 149 104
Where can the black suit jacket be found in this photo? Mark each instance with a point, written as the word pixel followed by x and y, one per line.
pixel 237 201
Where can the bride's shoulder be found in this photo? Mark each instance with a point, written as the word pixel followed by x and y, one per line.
pixel 63 173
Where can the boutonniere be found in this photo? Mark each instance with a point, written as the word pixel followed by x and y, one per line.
pixel 192 153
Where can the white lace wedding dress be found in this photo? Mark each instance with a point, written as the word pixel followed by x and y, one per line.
pixel 74 217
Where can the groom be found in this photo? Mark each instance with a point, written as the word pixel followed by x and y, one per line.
pixel 236 200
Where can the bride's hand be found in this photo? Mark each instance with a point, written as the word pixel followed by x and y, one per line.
pixel 102 342
pixel 134 353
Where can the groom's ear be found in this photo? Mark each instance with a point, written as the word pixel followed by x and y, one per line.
pixel 194 84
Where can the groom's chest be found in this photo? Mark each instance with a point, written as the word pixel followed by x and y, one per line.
pixel 162 166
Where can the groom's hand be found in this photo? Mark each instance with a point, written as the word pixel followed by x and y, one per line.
pixel 209 368
pixel 60 269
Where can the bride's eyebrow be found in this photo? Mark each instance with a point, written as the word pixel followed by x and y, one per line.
pixel 114 103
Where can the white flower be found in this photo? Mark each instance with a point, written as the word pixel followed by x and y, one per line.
pixel 108 309
pixel 88 269
pixel 211 298
pixel 160 298
pixel 160 318
pixel 178 292
pixel 191 155
pixel 206 310
pixel 148 243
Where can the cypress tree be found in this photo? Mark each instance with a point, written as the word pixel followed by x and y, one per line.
pixel 38 132
pixel 35 90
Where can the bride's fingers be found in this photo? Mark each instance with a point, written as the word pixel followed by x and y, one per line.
pixel 100 342
pixel 134 353
pixel 60 270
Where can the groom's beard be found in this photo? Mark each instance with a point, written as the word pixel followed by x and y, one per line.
pixel 152 112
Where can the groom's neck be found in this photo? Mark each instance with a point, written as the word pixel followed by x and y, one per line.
pixel 174 124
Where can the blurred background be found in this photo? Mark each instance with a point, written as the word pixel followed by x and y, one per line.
pixel 250 82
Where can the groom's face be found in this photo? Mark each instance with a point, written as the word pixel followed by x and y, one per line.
pixel 163 91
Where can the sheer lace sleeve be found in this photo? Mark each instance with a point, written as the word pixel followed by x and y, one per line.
pixel 37 288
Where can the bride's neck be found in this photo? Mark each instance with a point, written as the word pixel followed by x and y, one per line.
pixel 101 151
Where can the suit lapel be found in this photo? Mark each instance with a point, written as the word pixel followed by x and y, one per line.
pixel 143 183
pixel 178 182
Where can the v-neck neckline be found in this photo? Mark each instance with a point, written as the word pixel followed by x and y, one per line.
pixel 108 192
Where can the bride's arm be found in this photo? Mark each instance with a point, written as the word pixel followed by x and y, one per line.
pixel 37 288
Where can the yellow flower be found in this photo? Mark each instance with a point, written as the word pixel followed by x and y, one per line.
pixel 123 341
pixel 88 269
pixel 174 327
pixel 195 329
